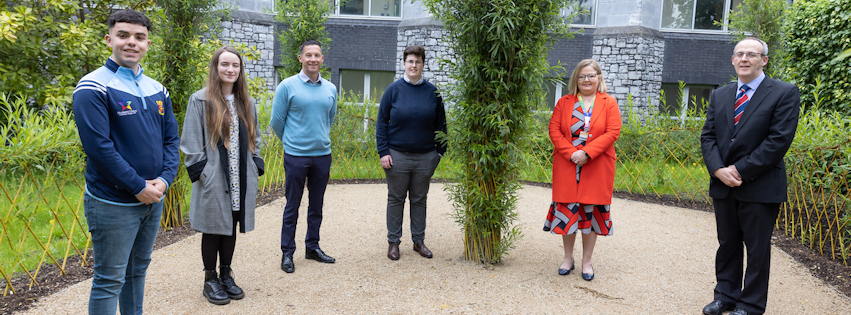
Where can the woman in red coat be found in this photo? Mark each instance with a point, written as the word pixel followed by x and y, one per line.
pixel 584 127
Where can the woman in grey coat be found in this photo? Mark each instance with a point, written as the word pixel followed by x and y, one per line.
pixel 221 141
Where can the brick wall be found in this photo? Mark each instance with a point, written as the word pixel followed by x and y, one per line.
pixel 361 45
pixel 356 44
pixel 570 51
pixel 698 58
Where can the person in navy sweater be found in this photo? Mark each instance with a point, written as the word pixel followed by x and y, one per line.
pixel 129 134
pixel 409 117
pixel 302 113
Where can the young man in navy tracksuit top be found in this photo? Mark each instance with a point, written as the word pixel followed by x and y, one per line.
pixel 129 134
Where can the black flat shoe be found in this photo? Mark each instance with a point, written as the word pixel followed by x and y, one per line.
pixel 588 276
pixel 565 272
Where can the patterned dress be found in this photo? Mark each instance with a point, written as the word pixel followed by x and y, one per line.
pixel 233 154
pixel 571 218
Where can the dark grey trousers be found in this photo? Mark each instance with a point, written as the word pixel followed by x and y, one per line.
pixel 409 177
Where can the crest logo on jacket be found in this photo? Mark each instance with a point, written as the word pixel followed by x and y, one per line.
pixel 162 111
pixel 126 110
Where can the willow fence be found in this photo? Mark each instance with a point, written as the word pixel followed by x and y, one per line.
pixel 41 203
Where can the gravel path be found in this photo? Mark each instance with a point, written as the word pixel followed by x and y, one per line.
pixel 659 261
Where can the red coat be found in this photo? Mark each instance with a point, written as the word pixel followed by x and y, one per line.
pixel 597 179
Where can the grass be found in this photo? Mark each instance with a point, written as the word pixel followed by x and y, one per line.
pixel 683 182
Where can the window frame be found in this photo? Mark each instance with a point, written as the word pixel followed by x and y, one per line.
pixel 724 28
pixel 593 16
pixel 335 13
pixel 685 101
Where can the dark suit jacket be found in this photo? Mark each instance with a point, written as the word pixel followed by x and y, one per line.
pixel 757 145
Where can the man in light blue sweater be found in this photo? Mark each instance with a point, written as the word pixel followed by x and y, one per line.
pixel 302 113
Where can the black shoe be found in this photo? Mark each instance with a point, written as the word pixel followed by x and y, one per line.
pixel 226 277
pixel 565 272
pixel 287 264
pixel 213 289
pixel 739 311
pixel 588 276
pixel 318 255
pixel 718 307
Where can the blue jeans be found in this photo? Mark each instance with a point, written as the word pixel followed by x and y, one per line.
pixel 298 171
pixel 122 241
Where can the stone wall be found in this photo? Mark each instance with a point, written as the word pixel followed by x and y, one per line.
pixel 431 35
pixel 253 29
pixel 631 58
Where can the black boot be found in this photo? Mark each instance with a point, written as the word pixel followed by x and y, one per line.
pixel 213 289
pixel 226 276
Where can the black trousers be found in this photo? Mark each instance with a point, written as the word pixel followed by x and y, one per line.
pixel 749 224
pixel 223 246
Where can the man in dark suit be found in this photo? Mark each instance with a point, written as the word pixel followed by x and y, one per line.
pixel 749 127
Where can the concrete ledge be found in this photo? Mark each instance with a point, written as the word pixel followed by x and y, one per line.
pixel 420 23
pixel 336 21
pixel 634 30
pixel 252 17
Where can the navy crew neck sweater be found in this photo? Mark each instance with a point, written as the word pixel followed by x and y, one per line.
pixel 409 117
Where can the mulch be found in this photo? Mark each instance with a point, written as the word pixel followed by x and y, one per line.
pixel 50 279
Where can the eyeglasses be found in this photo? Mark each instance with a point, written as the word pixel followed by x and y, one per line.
pixel 413 62
pixel 751 55
pixel 590 77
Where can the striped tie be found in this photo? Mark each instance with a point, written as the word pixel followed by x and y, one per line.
pixel 741 102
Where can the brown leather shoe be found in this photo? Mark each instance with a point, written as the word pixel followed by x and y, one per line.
pixel 393 251
pixel 422 250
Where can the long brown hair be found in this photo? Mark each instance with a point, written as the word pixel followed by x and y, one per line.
pixel 218 114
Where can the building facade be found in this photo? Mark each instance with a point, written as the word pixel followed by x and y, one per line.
pixel 643 46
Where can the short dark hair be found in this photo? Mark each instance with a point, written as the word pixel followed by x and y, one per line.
pixel 128 16
pixel 308 42
pixel 415 50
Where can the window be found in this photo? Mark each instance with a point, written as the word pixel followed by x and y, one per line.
pixel 695 97
pixel 369 84
pixel 386 8
pixel 696 14
pixel 585 18
pixel 555 90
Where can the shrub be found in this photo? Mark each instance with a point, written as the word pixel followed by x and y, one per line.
pixel 47 46
pixel 762 19
pixel 816 32
pixel 502 47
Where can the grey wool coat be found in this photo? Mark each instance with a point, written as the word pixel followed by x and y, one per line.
pixel 210 208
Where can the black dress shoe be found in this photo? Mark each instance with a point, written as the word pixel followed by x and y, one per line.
pixel 739 311
pixel 718 307
pixel 565 272
pixel 287 264
pixel 588 276
pixel 319 255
